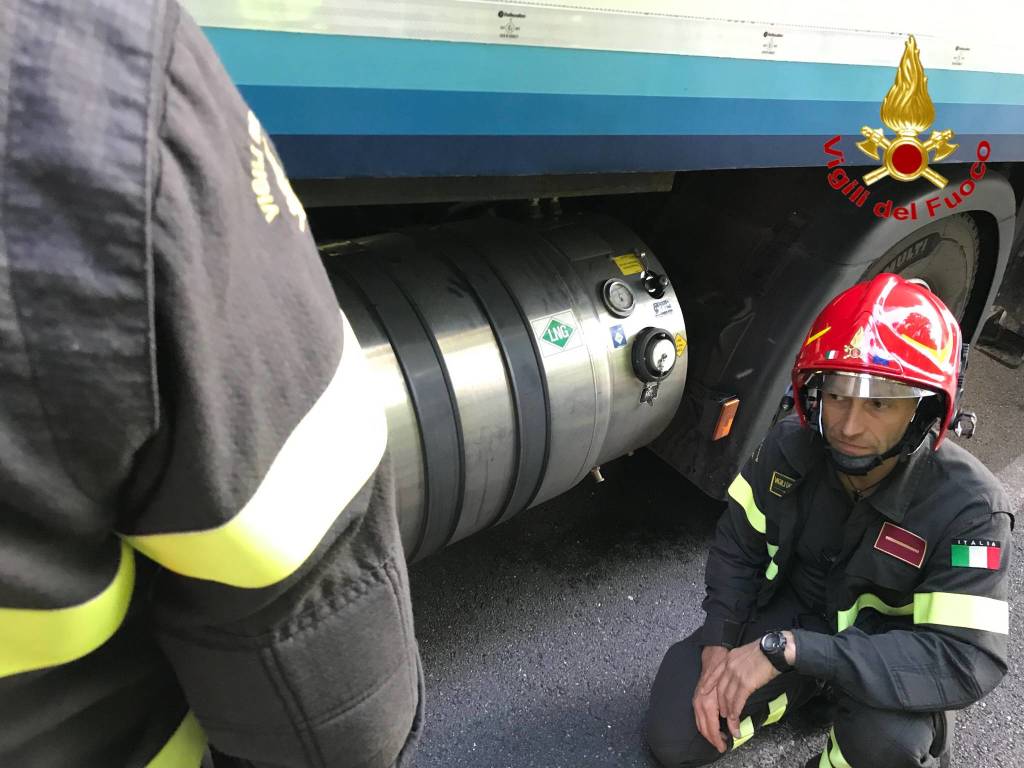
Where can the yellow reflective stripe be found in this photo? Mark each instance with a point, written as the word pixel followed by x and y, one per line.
pixel 184 749
pixel 35 639
pixel 324 462
pixel 941 356
pixel 746 731
pixel 776 709
pixel 772 570
pixel 946 608
pixel 741 491
pixel 818 335
pixel 835 755
pixel 845 619
pixel 966 611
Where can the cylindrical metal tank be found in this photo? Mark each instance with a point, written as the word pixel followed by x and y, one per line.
pixel 513 358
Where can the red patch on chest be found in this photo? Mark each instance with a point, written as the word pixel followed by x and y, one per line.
pixel 901 544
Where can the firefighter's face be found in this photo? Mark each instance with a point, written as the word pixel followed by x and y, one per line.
pixel 861 426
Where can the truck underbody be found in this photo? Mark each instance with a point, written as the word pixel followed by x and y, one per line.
pixel 751 256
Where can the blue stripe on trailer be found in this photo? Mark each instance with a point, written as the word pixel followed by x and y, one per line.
pixel 359 111
pixel 410 156
pixel 257 57
pixel 360 106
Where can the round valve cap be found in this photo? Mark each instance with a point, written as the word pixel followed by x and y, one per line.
pixel 654 354
pixel 661 356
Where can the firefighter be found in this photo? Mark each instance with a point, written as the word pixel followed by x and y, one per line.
pixel 198 538
pixel 862 555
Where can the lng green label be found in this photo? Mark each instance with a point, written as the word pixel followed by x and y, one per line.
pixel 557 333
pixel 976 553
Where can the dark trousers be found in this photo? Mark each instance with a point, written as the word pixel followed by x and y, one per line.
pixel 862 737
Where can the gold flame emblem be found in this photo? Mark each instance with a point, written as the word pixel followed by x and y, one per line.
pixel 907 110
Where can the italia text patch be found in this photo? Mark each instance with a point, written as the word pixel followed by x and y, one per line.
pixel 976 553
pixel 901 544
pixel 781 484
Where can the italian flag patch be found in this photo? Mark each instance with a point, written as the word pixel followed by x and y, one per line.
pixel 976 553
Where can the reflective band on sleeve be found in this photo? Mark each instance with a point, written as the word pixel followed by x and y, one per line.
pixel 772 570
pixel 965 611
pixel 945 608
pixel 325 461
pixel 835 755
pixel 184 749
pixel 776 709
pixel 845 619
pixel 746 731
pixel 36 639
pixel 743 494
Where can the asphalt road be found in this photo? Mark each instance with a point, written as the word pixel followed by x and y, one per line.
pixel 540 639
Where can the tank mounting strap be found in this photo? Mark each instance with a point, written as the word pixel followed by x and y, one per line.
pixel 421 361
pixel 522 365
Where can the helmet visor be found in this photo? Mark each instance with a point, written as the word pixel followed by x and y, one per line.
pixel 865 385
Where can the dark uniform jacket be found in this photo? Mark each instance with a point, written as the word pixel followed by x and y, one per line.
pixel 917 596
pixel 197 526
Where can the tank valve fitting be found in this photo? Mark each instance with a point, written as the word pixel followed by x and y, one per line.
pixel 654 354
pixel 655 284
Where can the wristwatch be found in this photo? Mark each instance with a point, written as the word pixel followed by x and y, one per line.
pixel 773 645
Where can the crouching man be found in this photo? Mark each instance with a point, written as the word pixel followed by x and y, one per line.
pixel 859 551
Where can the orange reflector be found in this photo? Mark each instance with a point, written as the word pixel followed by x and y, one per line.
pixel 726 416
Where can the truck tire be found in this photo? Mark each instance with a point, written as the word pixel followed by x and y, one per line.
pixel 944 254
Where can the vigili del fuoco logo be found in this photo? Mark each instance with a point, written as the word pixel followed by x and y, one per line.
pixel 908 111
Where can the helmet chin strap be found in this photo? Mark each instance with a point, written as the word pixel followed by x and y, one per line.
pixel 861 465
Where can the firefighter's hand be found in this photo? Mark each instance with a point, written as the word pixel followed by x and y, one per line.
pixel 745 670
pixel 705 703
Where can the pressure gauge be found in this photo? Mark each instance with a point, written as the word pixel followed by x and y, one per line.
pixel 618 298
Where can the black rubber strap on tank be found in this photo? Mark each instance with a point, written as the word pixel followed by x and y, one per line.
pixel 527 381
pixel 452 514
pixel 429 388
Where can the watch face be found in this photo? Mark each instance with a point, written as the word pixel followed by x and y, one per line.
pixel 772 642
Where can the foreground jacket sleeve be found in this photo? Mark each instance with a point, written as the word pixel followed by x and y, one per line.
pixel 956 651
pixel 739 554
pixel 264 493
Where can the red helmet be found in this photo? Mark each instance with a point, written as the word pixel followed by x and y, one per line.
pixel 892 338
